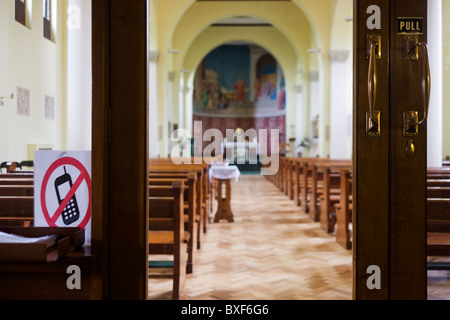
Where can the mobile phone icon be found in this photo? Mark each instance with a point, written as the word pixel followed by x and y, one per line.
pixel 63 184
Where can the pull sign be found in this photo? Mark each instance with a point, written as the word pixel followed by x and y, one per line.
pixel 410 25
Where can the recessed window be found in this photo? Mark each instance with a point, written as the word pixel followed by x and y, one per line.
pixel 21 11
pixel 47 14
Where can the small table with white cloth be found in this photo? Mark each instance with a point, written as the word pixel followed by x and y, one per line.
pixel 223 174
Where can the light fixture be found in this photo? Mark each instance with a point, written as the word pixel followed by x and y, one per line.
pixel 313 50
pixel 174 51
pixel 2 102
pixel 298 71
pixel 349 19
pixel 185 71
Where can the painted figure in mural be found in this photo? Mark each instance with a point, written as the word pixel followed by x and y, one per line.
pixel 204 96
pixel 267 88
pixel 215 96
pixel 273 93
pixel 240 88
pixel 281 99
pixel 282 96
pixel 257 89
pixel 211 98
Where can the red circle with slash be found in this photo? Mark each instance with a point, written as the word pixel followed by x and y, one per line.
pixel 84 176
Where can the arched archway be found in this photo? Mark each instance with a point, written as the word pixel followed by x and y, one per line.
pixel 225 92
pixel 188 21
pixel 270 39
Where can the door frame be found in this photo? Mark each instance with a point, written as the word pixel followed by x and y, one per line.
pixel 120 149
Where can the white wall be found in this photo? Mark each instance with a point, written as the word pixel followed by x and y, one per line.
pixel 30 61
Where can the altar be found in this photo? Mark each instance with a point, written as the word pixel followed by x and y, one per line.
pixel 241 152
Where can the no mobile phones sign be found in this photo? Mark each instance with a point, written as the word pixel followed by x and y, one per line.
pixel 62 191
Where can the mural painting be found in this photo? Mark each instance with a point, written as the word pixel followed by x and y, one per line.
pixel 237 81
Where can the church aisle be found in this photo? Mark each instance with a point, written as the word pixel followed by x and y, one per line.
pixel 273 251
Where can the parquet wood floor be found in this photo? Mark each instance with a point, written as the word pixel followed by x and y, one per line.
pixel 273 251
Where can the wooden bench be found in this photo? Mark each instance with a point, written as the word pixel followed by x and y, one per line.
pixel 316 186
pixel 16 198
pixel 310 183
pixel 438 192
pixel 16 181
pixel 192 221
pixel 17 190
pixel 438 217
pixel 178 173
pixel 330 195
pixel 166 232
pixel 16 210
pixel 17 175
pixel 344 210
pixel 204 188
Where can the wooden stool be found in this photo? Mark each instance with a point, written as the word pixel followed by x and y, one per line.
pixel 224 207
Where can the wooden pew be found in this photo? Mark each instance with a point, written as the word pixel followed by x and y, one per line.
pixel 16 199
pixel 204 189
pixel 168 172
pixel 438 232
pixel 192 221
pixel 308 183
pixel 16 210
pixel 166 231
pixel 15 181
pixel 438 192
pixel 438 218
pixel 330 194
pixel 438 214
pixel 438 173
pixel 438 182
pixel 344 210
pixel 17 190
pixel 301 179
pixel 17 175
pixel 316 187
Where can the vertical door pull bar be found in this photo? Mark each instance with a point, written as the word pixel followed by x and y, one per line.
pixel 373 117
pixel 411 123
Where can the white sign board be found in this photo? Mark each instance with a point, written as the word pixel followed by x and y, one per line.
pixel 62 190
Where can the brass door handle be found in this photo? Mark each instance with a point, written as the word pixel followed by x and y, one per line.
pixel 411 118
pixel 426 82
pixel 373 116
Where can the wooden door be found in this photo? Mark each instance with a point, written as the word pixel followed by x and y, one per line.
pixel 389 215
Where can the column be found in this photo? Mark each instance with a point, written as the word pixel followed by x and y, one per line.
pixel 299 118
pixel 435 56
pixel 153 105
pixel 338 105
pixel 324 104
pixel 170 86
pixel 314 112
pixel 79 78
